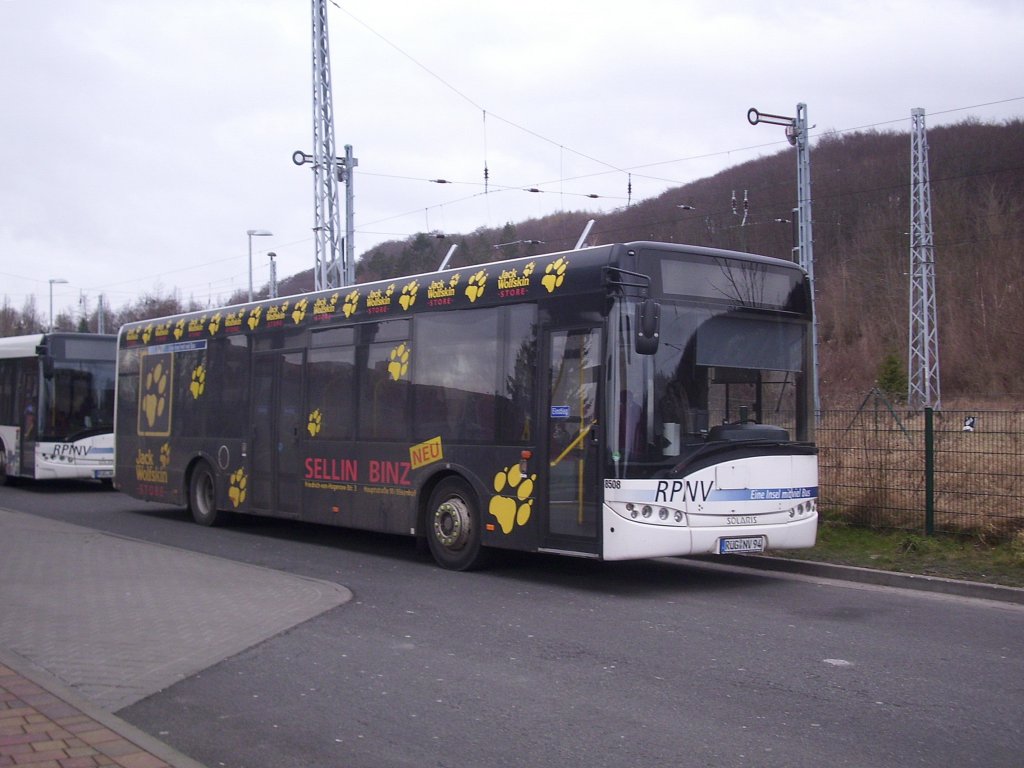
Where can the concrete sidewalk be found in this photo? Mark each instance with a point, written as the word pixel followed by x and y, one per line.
pixel 92 622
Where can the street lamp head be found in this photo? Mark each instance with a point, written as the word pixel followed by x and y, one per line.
pixel 57 280
pixel 259 233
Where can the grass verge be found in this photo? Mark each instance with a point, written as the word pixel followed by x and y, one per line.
pixel 968 558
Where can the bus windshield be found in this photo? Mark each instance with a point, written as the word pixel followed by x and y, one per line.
pixel 714 365
pixel 78 398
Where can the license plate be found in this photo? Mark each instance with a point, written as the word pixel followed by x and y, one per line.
pixel 741 544
pixel 102 474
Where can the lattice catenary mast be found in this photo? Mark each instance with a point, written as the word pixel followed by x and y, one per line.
pixel 334 266
pixel 923 340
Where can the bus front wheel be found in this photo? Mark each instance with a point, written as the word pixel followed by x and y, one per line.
pixel 453 526
pixel 202 497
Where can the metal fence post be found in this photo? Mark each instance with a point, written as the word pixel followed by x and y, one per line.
pixel 929 471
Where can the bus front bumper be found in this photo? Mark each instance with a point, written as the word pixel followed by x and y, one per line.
pixel 631 540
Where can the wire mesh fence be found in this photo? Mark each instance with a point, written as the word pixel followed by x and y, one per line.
pixel 885 468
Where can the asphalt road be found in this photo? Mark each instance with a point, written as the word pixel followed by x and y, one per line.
pixel 545 661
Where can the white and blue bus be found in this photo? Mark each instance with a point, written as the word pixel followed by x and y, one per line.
pixel 57 406
pixel 621 401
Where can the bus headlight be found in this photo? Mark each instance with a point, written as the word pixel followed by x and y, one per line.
pixel 648 513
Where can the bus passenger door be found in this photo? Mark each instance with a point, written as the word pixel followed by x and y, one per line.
pixel 28 386
pixel 276 479
pixel 574 364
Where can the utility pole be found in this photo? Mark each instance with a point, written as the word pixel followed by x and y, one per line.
pixel 796 133
pixel 923 338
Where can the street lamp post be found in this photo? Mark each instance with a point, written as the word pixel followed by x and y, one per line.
pixel 254 233
pixel 53 281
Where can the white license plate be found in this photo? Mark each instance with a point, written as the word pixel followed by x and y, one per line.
pixel 103 474
pixel 741 544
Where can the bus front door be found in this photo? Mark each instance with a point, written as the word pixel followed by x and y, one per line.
pixel 31 422
pixel 276 481
pixel 574 358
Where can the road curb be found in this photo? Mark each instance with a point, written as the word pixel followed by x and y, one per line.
pixel 920 582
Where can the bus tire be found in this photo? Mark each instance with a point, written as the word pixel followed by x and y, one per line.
pixel 453 526
pixel 202 496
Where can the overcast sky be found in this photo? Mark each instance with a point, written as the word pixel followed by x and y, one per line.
pixel 140 140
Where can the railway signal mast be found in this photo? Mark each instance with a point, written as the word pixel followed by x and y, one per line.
pixel 796 133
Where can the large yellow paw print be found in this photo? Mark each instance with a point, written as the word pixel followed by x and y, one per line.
pixel 399 365
pixel 165 455
pixel 299 312
pixel 515 508
pixel 198 381
pixel 155 400
pixel 475 286
pixel 254 317
pixel 236 491
pixel 316 420
pixel 351 304
pixel 179 328
pixel 214 325
pixel 554 274
pixel 408 297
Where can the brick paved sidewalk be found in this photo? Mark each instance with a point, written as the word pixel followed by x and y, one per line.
pixel 51 727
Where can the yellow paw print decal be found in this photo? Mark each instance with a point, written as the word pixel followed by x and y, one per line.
pixel 554 274
pixel 455 280
pixel 316 420
pixel 165 455
pixel 399 365
pixel 528 269
pixel 147 333
pixel 179 328
pixel 351 304
pixel 408 297
pixel 475 286
pixel 254 317
pixel 238 484
pixel 515 507
pixel 154 402
pixel 299 312
pixel 198 381
pixel 214 325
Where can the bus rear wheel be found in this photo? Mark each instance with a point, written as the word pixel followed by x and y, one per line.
pixel 453 526
pixel 202 496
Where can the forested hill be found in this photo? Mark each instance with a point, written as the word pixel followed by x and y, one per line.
pixel 861 217
pixel 861 220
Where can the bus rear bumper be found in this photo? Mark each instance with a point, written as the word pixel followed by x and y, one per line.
pixel 630 540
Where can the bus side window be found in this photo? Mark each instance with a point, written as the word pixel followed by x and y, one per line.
pixel 331 373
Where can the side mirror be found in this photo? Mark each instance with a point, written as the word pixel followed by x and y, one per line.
pixel 47 367
pixel 648 326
